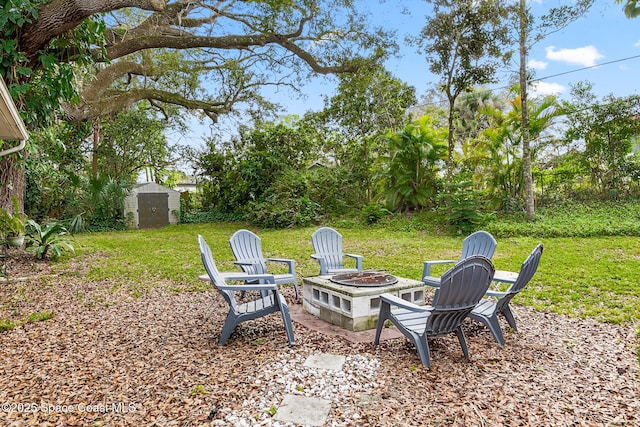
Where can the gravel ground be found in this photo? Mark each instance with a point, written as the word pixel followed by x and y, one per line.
pixel 107 359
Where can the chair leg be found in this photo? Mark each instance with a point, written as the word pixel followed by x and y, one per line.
pixel 463 341
pixel 422 345
pixel 295 288
pixel 229 325
pixel 506 312
pixel 288 326
pixel 385 310
pixel 494 326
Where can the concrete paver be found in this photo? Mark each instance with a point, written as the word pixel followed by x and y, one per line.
pixel 325 361
pixel 310 411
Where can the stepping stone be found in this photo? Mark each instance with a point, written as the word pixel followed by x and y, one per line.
pixel 311 411
pixel 325 361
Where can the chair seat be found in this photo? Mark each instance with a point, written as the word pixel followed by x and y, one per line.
pixel 484 308
pixel 259 304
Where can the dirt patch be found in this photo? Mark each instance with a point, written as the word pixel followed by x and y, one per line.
pixel 110 359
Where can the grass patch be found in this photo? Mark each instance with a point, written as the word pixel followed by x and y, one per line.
pixel 6 325
pixel 39 317
pixel 585 277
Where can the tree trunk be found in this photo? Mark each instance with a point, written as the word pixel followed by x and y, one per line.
pixel 11 181
pixel 97 133
pixel 526 143
pixel 59 16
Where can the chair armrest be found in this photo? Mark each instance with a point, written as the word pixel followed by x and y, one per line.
pixel 358 259
pixel 399 302
pixel 432 281
pixel 291 263
pixel 427 265
pixel 244 277
pixel 496 294
pixel 322 261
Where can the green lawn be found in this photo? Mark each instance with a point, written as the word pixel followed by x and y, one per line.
pixel 586 277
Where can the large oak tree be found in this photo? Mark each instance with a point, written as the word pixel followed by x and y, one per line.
pixel 85 59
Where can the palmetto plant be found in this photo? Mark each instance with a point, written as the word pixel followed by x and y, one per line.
pixel 52 238
pixel 412 164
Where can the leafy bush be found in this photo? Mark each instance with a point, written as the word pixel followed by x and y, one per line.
pixel 465 211
pixel 198 217
pixel 570 219
pixel 52 238
pixel 278 213
pixel 373 213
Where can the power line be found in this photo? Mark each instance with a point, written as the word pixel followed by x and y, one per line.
pixel 584 68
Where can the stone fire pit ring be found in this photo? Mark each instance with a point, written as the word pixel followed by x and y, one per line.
pixel 371 279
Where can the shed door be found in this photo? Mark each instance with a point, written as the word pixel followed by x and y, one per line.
pixel 153 210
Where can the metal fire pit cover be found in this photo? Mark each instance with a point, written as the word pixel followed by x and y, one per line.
pixel 365 279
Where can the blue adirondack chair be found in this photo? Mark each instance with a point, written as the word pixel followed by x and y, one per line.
pixel 461 288
pixel 272 302
pixel 487 310
pixel 478 243
pixel 247 249
pixel 327 244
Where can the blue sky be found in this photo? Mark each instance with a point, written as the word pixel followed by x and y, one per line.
pixel 581 50
pixel 604 35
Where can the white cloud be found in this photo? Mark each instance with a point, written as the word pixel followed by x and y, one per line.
pixel 637 44
pixel 541 89
pixel 538 65
pixel 585 56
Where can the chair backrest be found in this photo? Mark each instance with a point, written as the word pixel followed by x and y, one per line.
pixel 527 270
pixel 212 271
pixel 461 288
pixel 246 247
pixel 327 243
pixel 478 243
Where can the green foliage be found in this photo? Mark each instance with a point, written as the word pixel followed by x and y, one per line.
pixel 275 212
pixel 609 129
pixel 40 317
pixel 132 141
pixel 631 8
pixel 12 223
pixel 373 213
pixel 6 325
pixel 571 219
pixel 196 217
pixel 410 170
pixel 42 86
pixel 103 203
pixel 52 238
pixel 54 170
pixel 464 213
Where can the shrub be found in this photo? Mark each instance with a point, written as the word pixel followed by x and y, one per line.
pixel 52 238
pixel 373 213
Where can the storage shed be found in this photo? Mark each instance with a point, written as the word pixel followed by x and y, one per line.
pixel 151 205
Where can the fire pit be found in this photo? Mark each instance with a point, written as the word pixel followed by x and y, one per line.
pixel 352 300
pixel 371 279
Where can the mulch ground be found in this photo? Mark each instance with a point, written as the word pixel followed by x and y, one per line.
pixel 108 359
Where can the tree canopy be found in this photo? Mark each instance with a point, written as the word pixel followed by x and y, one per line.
pixel 84 60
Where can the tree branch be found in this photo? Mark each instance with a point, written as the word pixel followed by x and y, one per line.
pixel 59 16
